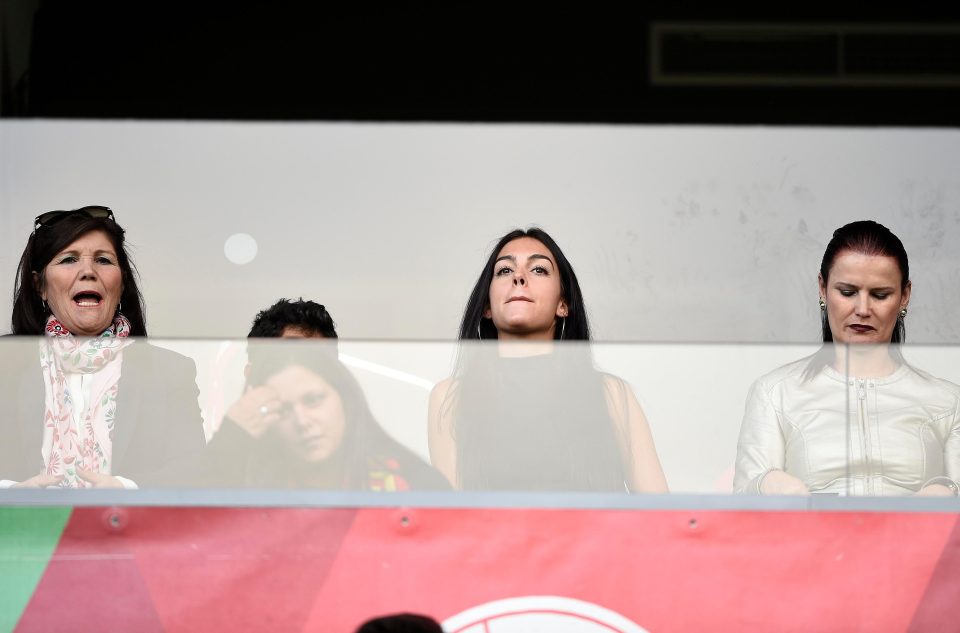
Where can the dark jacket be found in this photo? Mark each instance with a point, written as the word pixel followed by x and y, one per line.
pixel 158 437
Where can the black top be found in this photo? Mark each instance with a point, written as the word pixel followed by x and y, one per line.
pixel 536 423
pixel 237 459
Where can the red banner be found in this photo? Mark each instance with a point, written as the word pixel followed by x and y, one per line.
pixel 499 570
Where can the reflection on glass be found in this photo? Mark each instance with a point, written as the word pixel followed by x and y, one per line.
pixel 303 422
pixel 528 417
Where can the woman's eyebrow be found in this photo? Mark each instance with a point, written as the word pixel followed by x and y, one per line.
pixel 849 286
pixel 99 251
pixel 532 257
pixel 539 256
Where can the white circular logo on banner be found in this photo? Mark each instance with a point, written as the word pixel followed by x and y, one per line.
pixel 540 614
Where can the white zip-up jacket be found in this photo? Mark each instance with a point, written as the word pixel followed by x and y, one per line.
pixel 847 435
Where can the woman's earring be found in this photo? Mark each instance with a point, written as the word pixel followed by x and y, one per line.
pixel 823 304
pixel 903 312
pixel 46 308
pixel 478 329
pixel 119 307
pixel 563 327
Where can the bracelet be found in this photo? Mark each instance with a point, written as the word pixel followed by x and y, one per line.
pixel 943 481
pixel 761 478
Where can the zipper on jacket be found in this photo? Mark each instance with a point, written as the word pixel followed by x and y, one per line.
pixel 864 439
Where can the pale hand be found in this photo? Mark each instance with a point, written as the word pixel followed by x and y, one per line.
pixel 935 490
pixel 777 482
pixel 99 480
pixel 43 480
pixel 257 410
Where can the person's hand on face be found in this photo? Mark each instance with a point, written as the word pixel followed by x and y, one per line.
pixel 258 409
pixel 313 424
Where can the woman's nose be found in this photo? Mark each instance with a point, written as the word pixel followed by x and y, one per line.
pixel 306 420
pixel 518 280
pixel 300 419
pixel 87 270
pixel 863 304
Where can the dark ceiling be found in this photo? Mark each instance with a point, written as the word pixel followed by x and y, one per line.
pixel 556 62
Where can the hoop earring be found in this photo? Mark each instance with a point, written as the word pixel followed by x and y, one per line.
pixel 119 307
pixel 46 308
pixel 563 327
pixel 480 338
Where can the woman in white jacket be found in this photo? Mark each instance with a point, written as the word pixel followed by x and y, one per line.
pixel 854 418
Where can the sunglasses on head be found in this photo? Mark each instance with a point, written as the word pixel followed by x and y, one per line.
pixel 52 217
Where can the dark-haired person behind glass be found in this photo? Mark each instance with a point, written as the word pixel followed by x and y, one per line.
pixel 293 319
pixel 902 423
pixel 527 413
pixel 284 319
pixel 401 623
pixel 314 429
pixel 86 405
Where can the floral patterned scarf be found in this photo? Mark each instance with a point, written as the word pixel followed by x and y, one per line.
pixel 65 447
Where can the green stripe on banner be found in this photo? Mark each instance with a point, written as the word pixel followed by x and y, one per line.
pixel 28 538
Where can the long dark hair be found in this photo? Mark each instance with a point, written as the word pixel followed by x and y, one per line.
pixel 29 311
pixel 535 423
pixel 475 326
pixel 869 238
pixel 364 439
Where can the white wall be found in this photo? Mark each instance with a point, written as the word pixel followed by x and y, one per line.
pixel 677 233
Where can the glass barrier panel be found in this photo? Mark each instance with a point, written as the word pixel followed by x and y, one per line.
pixel 566 417
pixel 903 434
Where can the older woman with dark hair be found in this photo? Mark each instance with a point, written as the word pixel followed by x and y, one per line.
pixel 854 418
pixel 89 406
pixel 527 412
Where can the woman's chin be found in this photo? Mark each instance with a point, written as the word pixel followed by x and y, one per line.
pixel 86 321
pixel 524 327
pixel 867 338
pixel 317 452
